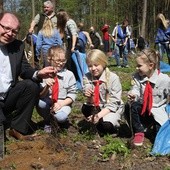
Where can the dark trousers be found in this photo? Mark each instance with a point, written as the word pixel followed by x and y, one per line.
pixel 106 45
pixel 105 127
pixel 19 104
pixel 138 122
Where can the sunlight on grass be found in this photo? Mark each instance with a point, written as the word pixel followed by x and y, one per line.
pixel 124 74
pixel 167 168
pixel 36 117
pixel 114 146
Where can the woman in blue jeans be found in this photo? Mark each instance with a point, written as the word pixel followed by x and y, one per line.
pixel 121 50
pixel 163 35
pixel 120 36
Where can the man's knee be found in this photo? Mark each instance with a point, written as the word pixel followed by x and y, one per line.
pixel 31 87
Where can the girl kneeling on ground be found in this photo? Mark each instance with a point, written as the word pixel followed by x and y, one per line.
pixel 148 95
pixel 103 91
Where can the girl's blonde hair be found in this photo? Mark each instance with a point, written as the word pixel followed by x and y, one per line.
pixel 150 56
pixel 54 52
pixel 96 56
pixel 162 21
pixel 48 28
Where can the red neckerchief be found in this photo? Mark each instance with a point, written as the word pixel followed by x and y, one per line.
pixel 55 90
pixel 147 99
pixel 96 92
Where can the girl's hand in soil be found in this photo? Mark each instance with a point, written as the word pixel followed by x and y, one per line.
pixel 88 92
pixel 93 118
pixel 131 97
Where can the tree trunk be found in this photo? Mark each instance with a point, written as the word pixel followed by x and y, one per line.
pixel 1 6
pixel 144 19
pixel 33 9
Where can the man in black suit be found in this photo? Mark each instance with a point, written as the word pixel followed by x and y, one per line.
pixel 17 96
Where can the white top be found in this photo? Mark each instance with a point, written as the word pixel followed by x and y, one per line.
pixel 113 100
pixel 5 72
pixel 67 85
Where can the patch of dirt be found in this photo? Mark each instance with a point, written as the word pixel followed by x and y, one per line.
pixel 68 151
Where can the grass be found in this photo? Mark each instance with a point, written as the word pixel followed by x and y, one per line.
pixel 124 74
pixel 114 146
pixel 86 136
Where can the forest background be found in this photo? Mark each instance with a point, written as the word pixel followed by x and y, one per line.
pixel 140 13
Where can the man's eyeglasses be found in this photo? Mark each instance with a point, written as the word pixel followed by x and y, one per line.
pixel 8 29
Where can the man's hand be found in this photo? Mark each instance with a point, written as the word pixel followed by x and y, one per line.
pixel 72 49
pixel 47 72
pixel 31 30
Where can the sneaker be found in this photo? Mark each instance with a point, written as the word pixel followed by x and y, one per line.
pixel 138 139
pixel 126 66
pixel 47 129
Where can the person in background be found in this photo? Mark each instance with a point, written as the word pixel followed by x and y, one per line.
pixel 17 96
pixel 148 95
pixel 96 38
pixel 141 44
pixel 48 36
pixel 103 91
pixel 163 35
pixel 39 19
pixel 83 39
pixel 63 83
pixel 120 36
pixel 31 41
pixel 129 27
pixel 105 31
pixel 68 30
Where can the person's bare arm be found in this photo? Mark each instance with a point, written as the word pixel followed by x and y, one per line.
pixel 74 39
pixel 88 37
pixel 32 25
pixel 44 92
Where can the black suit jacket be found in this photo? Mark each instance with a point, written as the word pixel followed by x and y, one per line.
pixel 19 64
